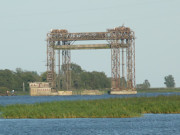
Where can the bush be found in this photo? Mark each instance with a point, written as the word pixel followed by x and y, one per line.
pixel 3 90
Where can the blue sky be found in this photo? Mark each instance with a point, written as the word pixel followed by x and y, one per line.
pixel 24 24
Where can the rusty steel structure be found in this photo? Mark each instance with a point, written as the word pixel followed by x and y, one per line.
pixel 121 41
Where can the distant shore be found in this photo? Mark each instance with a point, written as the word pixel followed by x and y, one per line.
pixel 102 108
pixel 158 90
pixel 77 92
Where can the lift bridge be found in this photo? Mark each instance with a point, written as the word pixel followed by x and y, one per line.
pixel 121 41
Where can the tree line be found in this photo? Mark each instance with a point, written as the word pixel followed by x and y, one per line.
pixel 17 80
pixel 80 79
pixel 168 81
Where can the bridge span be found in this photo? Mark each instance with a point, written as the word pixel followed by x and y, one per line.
pixel 87 46
pixel 121 41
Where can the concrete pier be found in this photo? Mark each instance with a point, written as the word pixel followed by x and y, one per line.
pixel 123 92
pixel 65 93
pixel 92 92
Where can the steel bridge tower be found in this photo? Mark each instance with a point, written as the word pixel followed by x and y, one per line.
pixel 121 41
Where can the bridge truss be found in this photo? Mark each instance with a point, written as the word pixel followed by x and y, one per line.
pixel 121 41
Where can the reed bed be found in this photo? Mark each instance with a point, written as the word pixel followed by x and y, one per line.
pixel 159 90
pixel 103 108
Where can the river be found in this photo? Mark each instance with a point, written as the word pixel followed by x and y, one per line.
pixel 149 124
pixel 5 100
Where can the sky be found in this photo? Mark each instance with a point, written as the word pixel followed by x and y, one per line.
pixel 25 23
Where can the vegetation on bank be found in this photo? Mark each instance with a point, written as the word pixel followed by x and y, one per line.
pixel 80 79
pixel 158 90
pixel 103 108
pixel 169 81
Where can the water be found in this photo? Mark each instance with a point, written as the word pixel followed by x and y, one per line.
pixel 156 124
pixel 5 100
pixel 149 124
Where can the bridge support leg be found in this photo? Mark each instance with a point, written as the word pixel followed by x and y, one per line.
pixel 66 66
pixel 66 63
pixel 115 66
pixel 123 79
pixel 51 75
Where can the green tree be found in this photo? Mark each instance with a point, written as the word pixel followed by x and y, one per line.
pixel 7 79
pixel 169 81
pixel 43 77
pixel 139 86
pixel 29 76
pixel 123 82
pixel 3 90
pixel 76 68
pixel 80 79
pixel 14 80
pixel 146 84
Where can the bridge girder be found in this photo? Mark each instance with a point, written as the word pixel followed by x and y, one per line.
pixel 121 41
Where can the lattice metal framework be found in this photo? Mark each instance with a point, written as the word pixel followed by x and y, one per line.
pixel 121 40
pixel 66 62
pixel 51 77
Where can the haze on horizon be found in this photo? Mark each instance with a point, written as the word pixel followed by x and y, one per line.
pixel 24 25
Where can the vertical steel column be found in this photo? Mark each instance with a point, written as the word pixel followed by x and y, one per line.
pixel 51 75
pixel 123 77
pixel 128 57
pixel 133 65
pixel 115 65
pixel 127 65
pixel 59 68
pixel 66 62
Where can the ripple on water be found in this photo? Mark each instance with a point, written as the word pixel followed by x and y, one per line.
pixel 166 124
pixel 5 100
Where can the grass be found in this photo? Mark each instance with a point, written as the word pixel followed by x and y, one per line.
pixel 103 108
pixel 17 93
pixel 155 90
pixel 21 93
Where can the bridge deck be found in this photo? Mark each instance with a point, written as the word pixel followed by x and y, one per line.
pixel 87 46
